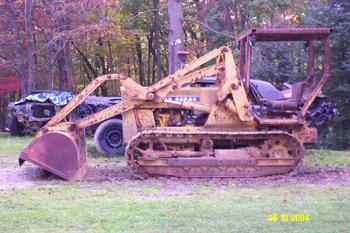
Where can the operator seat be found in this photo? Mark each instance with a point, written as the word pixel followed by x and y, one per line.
pixel 267 94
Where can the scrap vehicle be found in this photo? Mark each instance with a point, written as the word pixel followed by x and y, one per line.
pixel 235 127
pixel 30 113
pixel 33 111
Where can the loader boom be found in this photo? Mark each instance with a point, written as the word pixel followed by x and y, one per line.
pixel 160 90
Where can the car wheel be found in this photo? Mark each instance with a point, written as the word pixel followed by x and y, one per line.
pixel 16 127
pixel 109 138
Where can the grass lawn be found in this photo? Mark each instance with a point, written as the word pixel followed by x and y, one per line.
pixel 126 208
pixel 324 158
pixel 150 206
pixel 12 145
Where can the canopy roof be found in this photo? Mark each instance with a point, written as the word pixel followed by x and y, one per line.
pixel 286 34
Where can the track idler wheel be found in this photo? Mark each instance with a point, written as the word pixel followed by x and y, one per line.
pixel 62 153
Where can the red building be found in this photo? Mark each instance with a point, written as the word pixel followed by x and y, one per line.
pixel 8 84
pixel 8 81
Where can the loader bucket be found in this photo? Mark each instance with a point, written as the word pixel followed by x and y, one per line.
pixel 60 153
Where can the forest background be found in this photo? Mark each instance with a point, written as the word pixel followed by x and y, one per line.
pixel 64 44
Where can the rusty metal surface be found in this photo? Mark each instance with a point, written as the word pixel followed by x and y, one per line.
pixel 60 153
pixel 306 135
pixel 286 34
pixel 59 147
pixel 265 153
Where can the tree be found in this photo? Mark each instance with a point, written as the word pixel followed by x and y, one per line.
pixel 13 34
pixel 156 40
pixel 31 66
pixel 336 15
pixel 175 38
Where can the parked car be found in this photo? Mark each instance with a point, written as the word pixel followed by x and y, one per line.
pixel 32 112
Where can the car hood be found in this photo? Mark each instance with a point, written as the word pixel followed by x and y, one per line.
pixel 59 98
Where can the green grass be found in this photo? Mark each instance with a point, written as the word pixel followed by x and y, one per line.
pixel 158 206
pixel 12 145
pixel 120 208
pixel 314 158
pixel 327 158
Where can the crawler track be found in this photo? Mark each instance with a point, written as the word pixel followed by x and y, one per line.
pixel 213 153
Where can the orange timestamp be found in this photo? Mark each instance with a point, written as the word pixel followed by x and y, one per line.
pixel 288 218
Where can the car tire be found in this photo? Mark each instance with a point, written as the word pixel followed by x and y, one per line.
pixel 16 127
pixel 109 138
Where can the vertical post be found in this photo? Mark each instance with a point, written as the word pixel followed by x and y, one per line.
pixel 175 39
pixel 242 59
pixel 325 76
pixel 311 64
pixel 327 59
pixel 249 53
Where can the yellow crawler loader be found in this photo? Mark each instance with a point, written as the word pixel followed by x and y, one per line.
pixel 232 126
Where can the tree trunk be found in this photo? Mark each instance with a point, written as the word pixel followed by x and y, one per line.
pixel 65 68
pixel 156 39
pixel 110 58
pixel 101 63
pixel 51 49
pixel 86 61
pixel 175 40
pixel 140 61
pixel 19 66
pixel 64 58
pixel 149 59
pixel 50 65
pixel 244 16
pixel 31 69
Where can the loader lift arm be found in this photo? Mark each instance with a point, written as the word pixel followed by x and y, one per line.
pixel 158 91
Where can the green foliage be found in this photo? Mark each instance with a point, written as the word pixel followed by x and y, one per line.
pixel 336 15
pixel 279 62
pixel 286 62
pixel 266 11
pixel 125 43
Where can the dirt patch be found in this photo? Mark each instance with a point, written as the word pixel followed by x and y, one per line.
pixel 15 177
pixel 306 176
pixel 164 187
pixel 107 173
pixel 117 173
